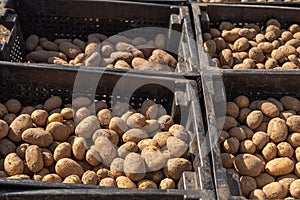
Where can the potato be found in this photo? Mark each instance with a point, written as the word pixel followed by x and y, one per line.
pixel 99 36
pixel 241 44
pixel 247 146
pixel 295 189
pixel 134 167
pixel 37 136
pixel 69 49
pixel 284 149
pixel 269 109
pixel 154 160
pixel 79 148
pixel 39 117
pixel 286 180
pixel 3 129
pixel 210 47
pixel 81 102
pixel 290 103
pixel 166 122
pixel 55 117
pixel 289 65
pixel 227 160
pixel 13 165
pixel 277 130
pixel 254 119
pixel 31 42
pixel 176 146
pixel 269 151
pixel 230 36
pixel 279 166
pixel 248 32
pixel 271 35
pixel 39 175
pixel 107 151
pixel 87 127
pixel 20 124
pixel 104 116
pixel 81 44
pixel 3 111
pixel 297 154
pixel 161 57
pixel 146 184
pixel 248 184
pixel 47 157
pixel 81 114
pixel 120 108
pixel 89 178
pixel 231 145
pixel 66 167
pixel 52 103
pixel 72 179
pixel 127 148
pixel 152 127
pixel 71 126
pixel 232 110
pixel 50 46
pixel 125 182
pixel 176 166
pixel 292 123
pixel 104 173
pixel 238 132
pixel 108 182
pixel 52 178
pixel 226 57
pixel 63 150
pixel 67 113
pixel 34 158
pixel 257 194
pixel 294 139
pixel 27 110
pixel 264 179
pixel 117 167
pixel 274 190
pixel 139 40
pixel 85 165
pixel 125 56
pixel 155 176
pixel 220 44
pixel 59 131
pixel 92 157
pixel 134 135
pixel 167 183
pixel 21 150
pixel 43 56
pixel 286 114
pixel 260 139
pixel 161 138
pixel 297 169
pixel 243 113
pixel 138 63
pixel 58 41
pixel 256 54
pixel 248 165
pixel 121 64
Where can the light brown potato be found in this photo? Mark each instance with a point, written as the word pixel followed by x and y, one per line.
pixel 106 149
pixel 13 165
pixel 117 167
pixel 269 109
pixel 127 148
pixel 284 149
pixel 146 143
pixel 59 131
pixel 277 130
pixel 167 183
pixel 254 119
pixel 87 127
pixel 134 167
pixel 126 56
pixel 271 35
pixel 3 129
pixel 104 116
pixel 39 117
pixel 52 178
pixel 55 117
pixel 21 150
pixel 220 44
pixel 79 148
pixel 136 120
pixel 260 139
pixel 37 136
pixel 227 160
pixel 134 135
pixel 176 146
pixel 297 169
pixel 63 150
pixel 289 65
pixel 210 47
pixel 293 123
pixel 248 165
pixel 257 194
pixel 269 151
pixel 31 42
pixel 297 154
pixel 223 136
pixel 34 158
pixel 71 126
pixel 248 131
pixel 166 121
pixel 85 165
pixel 264 179
pixel 92 157
pixel 286 114
pixel 256 54
pixel 125 182
pixel 47 157
pixel 274 190
pixel 81 114
pixel 52 103
pixel 27 110
pixel 108 182
pixel 286 180
pixel 294 139
pixel 89 178
pixel 247 146
pixel 20 124
pixel 146 184
pixel 66 167
pixel 241 44
pixel 229 35
pixel 121 64
pixel 161 57
pixel 161 138
pixel 231 145
pixel 226 57
pixel 248 184
pixel 238 132
pixel 111 135
pixel 179 132
pixel 279 166
pixel 72 179
pixel 175 167
pixel 295 189
pixel 104 173
pixel 20 176
pixel 152 127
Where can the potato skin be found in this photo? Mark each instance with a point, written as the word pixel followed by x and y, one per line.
pixel 280 166
pixel 13 165
pixel 63 150
pixel 254 119
pixel 248 184
pixel 3 129
pixel 176 166
pixel 295 189
pixel 39 117
pixel 106 150
pixel 66 167
pixel 264 179
pixel 34 158
pixel 134 167
pixel 277 130
pixel 248 165
pixel 125 182
pixel 146 184
pixel 72 179
pixel 274 190
pixel 89 178
pixel 37 136
pixel 52 178
pixel 79 148
pixel 59 131
pixel 108 182
pixel 52 103
pixel 18 126
pixel 87 127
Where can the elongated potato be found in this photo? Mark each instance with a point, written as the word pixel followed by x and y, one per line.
pixel 66 167
pixel 37 136
pixel 34 158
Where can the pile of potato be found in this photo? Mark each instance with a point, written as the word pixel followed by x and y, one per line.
pixel 261 143
pixel 99 51
pixel 254 47
pixel 68 143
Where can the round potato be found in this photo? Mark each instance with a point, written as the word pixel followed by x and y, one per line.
pixel 238 132
pixel 81 114
pixel 52 103
pixel 52 178
pixel 166 121
pixel 13 165
pixel 295 189
pixel 47 157
pixel 125 182
pixel 257 194
pixel 117 167
pixel 18 126
pixel 231 145
pixel 290 103
pixel 39 117
pixel 248 165
pixel 104 116
pixel 3 129
pixel 106 149
pixel 167 183
pixel 254 119
pixel 284 149
pixel 134 135
pixel 79 148
pixel 63 150
pixel 286 180
pixel 108 182
pixel 269 151
pixel 248 184
pixel 72 179
pixel 247 146
pixel 277 130
pixel 13 106
pixel 118 125
pixel 227 160
pixel 274 190
pixel 176 166
pixel 260 139
pixel 294 140
pixel 66 167
pixel 126 148
pixel 59 131
pixel 134 167
pixel 264 179
pixel 92 157
pixel 293 123
pixel 89 178
pixel 146 184
pixel 176 146
pixel 87 127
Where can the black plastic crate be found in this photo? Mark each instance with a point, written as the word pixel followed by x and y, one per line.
pixel 178 96
pixel 78 18
pixel 220 87
pixel 212 14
